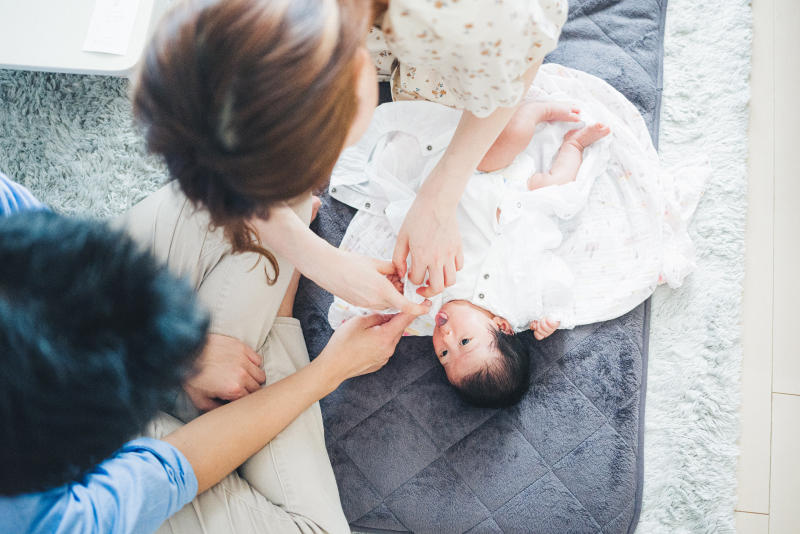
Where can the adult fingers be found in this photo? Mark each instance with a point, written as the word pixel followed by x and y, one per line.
pixel 253 356
pixel 459 259
pixel 418 268
pixel 256 372
pixel 249 383
pixel 398 324
pixel 399 256
pixel 401 303
pixel 435 280
pixel 449 274
pixel 368 321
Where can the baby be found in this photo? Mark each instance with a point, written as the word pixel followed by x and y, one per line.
pixel 480 352
pixel 580 227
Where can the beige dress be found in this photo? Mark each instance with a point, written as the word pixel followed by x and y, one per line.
pixel 466 54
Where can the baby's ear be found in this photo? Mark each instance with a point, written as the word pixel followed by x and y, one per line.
pixel 503 325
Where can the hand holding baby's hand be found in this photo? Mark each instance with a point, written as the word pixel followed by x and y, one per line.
pixel 545 327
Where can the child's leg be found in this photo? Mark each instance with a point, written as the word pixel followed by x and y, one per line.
pixel 519 130
pixel 569 157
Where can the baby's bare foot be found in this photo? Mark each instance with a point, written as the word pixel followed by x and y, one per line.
pixel 555 112
pixel 584 137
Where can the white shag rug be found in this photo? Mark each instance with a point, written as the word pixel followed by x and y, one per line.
pixel 693 390
pixel 70 140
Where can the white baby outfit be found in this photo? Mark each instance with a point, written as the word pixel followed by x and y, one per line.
pixel 579 253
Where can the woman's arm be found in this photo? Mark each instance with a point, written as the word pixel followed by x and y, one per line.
pixel 357 279
pixel 219 441
pixel 430 232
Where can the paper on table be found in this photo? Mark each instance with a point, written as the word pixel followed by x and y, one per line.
pixel 111 26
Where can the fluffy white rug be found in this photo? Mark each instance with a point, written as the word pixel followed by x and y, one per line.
pixel 692 420
pixel 69 139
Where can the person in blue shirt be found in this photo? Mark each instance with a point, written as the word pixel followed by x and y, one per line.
pixel 95 338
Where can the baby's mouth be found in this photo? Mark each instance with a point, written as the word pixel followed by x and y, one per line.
pixel 441 318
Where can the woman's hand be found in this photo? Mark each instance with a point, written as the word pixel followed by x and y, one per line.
pixel 430 234
pixel 545 327
pixel 359 280
pixel 363 345
pixel 226 370
pixel 369 283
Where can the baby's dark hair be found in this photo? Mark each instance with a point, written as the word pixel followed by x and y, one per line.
pixel 95 337
pixel 504 381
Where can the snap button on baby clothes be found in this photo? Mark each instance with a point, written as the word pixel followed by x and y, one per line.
pixel 486 276
pixel 429 147
pixel 367 205
pixel 333 189
pixel 519 204
pixel 480 295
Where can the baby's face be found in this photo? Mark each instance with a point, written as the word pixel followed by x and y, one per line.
pixel 463 339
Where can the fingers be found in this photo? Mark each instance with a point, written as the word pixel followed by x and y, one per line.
pixel 401 303
pixel 418 269
pixel 459 259
pixel 253 356
pixel 450 274
pixel 368 321
pixel 249 383
pixel 256 372
pixel 435 281
pixel 398 324
pixel 399 256
pixel 544 328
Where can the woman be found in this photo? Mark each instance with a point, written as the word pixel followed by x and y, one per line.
pixel 472 55
pixel 250 103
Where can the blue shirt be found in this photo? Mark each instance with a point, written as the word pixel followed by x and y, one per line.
pixel 14 197
pixel 135 491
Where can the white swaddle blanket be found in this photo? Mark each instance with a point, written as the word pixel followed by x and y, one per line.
pixel 579 253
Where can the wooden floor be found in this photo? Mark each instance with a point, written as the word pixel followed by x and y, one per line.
pixel 769 466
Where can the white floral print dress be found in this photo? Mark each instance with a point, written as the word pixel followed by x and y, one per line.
pixel 465 54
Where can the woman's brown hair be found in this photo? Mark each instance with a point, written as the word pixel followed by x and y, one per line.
pixel 250 101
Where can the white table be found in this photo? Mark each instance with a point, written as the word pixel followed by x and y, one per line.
pixel 48 35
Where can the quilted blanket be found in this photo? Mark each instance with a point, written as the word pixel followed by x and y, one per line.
pixel 409 455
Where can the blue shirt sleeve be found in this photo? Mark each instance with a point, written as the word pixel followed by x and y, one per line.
pixel 135 491
pixel 15 198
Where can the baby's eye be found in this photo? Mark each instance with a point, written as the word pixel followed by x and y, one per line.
pixel 465 341
pixel 444 353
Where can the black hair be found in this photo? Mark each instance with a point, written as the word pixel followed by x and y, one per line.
pixel 504 381
pixel 95 337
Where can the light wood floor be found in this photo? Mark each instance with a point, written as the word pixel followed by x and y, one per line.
pixel 769 466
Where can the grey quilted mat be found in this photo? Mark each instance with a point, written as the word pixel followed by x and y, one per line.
pixel 409 455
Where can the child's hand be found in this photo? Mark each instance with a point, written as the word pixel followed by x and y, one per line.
pixel 545 327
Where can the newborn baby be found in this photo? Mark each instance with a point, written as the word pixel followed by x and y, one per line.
pixel 580 228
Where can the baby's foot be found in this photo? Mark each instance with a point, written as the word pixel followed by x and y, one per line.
pixel 569 157
pixel 555 112
pixel 584 137
pixel 520 129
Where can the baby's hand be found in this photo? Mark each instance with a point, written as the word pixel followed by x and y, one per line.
pixel 545 327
